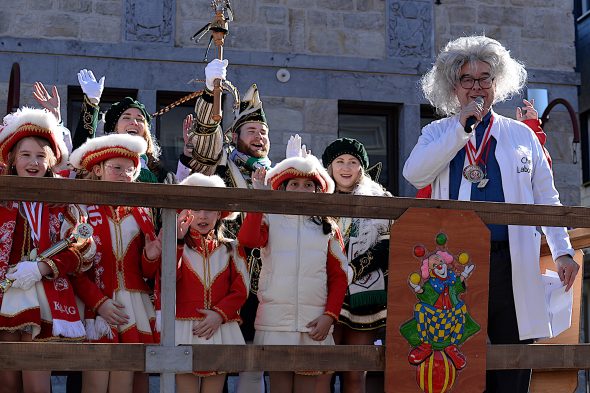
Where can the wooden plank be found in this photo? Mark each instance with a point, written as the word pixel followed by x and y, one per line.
pixel 539 356
pixel 175 196
pixel 71 357
pixel 288 357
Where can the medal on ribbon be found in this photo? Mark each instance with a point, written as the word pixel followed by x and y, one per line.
pixel 473 172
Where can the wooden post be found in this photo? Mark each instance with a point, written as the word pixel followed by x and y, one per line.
pixel 433 238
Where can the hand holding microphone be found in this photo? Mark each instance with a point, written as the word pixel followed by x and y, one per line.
pixel 472 120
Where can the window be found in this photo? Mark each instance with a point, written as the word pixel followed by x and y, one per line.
pixel 169 127
pixel 376 127
pixel 581 8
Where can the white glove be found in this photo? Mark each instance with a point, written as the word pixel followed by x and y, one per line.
pixel 90 86
pixel 25 275
pixel 295 148
pixel 217 69
pixel 467 271
pixel 416 287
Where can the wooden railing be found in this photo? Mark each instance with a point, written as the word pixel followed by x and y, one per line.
pixel 168 359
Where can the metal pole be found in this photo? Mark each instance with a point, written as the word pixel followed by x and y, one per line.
pixel 168 290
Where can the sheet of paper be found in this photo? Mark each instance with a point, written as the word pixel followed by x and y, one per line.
pixel 559 303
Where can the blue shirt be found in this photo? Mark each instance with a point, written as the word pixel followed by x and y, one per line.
pixel 493 191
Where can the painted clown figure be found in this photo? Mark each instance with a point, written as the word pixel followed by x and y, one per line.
pixel 441 320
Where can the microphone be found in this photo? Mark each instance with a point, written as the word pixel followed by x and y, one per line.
pixel 471 120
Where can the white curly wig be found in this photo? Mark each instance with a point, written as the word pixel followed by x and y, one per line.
pixel 438 84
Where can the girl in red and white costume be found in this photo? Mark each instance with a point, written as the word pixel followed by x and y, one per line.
pixel 304 270
pixel 212 285
pixel 118 306
pixel 40 305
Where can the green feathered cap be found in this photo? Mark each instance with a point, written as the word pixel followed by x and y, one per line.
pixel 345 146
pixel 250 110
pixel 112 116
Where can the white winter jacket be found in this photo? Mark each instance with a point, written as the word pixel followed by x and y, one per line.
pixel 293 283
pixel 526 178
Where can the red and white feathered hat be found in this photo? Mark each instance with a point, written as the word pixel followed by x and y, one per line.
pixel 198 179
pixel 103 148
pixel 30 122
pixel 308 167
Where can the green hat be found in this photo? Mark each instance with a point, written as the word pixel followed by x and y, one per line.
pixel 112 116
pixel 250 110
pixel 345 146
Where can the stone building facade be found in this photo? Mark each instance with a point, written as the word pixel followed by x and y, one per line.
pixel 344 59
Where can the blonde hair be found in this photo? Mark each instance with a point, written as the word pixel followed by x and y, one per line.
pixel 438 84
pixel 43 143
pixel 360 177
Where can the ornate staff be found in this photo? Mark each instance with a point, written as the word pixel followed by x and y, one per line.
pixel 83 232
pixel 219 27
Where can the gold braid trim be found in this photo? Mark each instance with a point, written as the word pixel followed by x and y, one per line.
pixel 182 100
pixel 87 118
pixel 96 155
pixel 54 269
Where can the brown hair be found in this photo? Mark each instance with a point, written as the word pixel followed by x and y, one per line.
pixel 43 143
pixel 153 150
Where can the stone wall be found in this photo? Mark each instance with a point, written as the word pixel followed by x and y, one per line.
pixel 86 20
pixel 358 50
pixel 322 27
pixel 539 32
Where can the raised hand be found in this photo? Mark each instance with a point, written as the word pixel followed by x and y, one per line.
pixel 467 272
pixel 186 127
pixel 48 101
pixel 295 148
pixel 216 69
pixel 183 222
pixel 258 177
pixel 92 88
pixel 153 248
pixel 527 112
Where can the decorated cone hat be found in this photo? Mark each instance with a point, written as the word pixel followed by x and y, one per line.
pixel 200 180
pixel 250 110
pixel 103 148
pixel 30 122
pixel 308 167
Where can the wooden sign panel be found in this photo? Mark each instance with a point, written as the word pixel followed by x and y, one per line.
pixel 437 302
pixel 560 380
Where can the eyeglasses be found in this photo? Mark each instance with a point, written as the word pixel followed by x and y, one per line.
pixel 118 171
pixel 468 82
